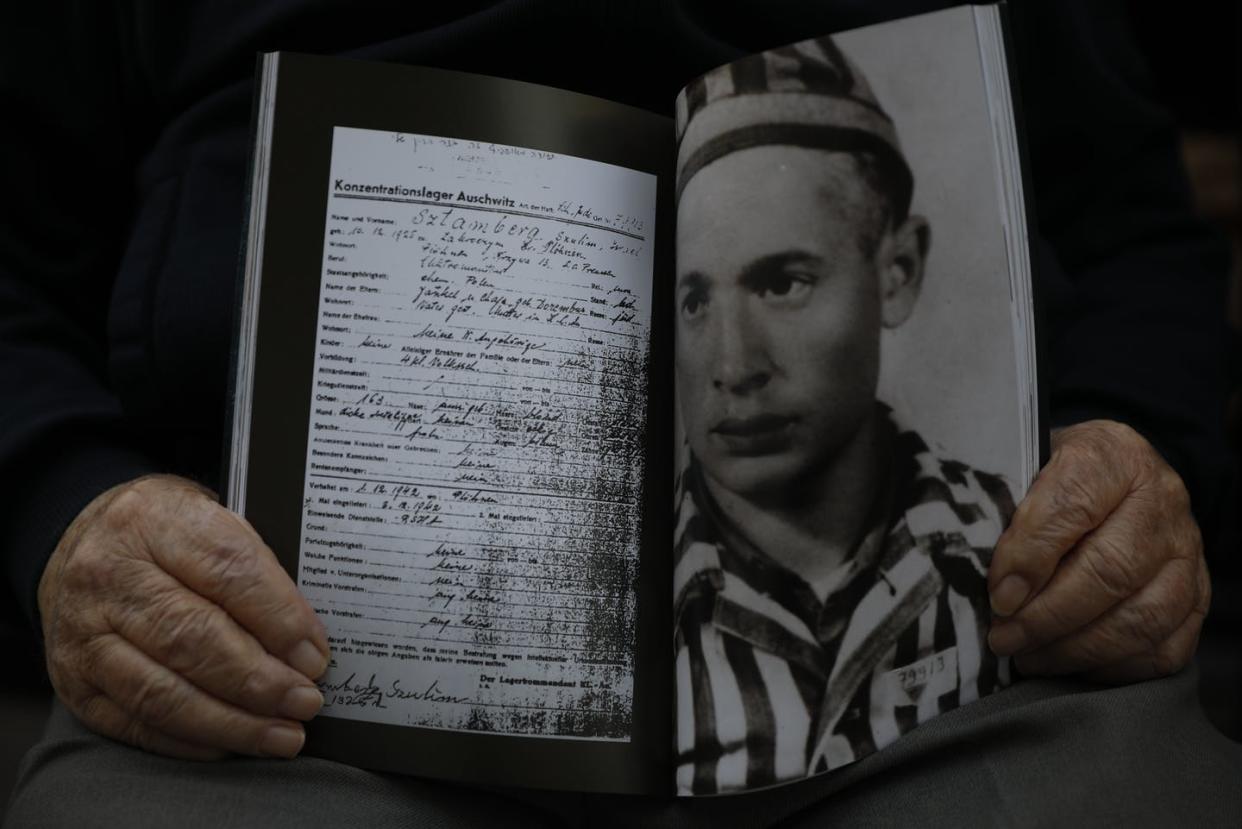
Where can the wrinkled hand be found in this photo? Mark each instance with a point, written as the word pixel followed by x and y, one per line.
pixel 1101 570
pixel 170 626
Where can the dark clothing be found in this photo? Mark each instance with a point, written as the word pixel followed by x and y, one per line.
pixel 1044 752
pixel 125 169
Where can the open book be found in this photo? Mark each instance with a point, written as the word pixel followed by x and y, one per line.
pixel 643 453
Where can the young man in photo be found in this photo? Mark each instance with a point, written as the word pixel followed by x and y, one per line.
pixel 831 573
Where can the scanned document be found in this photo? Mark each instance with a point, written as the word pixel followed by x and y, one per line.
pixel 471 505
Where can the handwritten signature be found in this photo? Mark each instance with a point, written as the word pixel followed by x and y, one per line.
pixel 353 693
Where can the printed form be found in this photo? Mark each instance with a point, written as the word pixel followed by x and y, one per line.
pixel 471 510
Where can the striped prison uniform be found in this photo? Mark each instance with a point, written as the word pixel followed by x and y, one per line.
pixel 773 684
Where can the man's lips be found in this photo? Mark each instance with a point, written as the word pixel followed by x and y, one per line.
pixel 756 425
pixel 756 435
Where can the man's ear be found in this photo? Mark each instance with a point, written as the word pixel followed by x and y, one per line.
pixel 902 255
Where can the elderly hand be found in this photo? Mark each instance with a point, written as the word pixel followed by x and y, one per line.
pixel 1101 570
pixel 169 625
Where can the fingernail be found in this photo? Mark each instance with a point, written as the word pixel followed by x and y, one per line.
pixel 282 741
pixel 1006 638
pixel 1009 594
pixel 307 659
pixel 302 702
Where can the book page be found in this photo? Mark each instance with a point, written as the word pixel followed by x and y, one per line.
pixel 849 396
pixel 471 511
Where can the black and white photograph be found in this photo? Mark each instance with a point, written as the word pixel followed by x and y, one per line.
pixel 849 404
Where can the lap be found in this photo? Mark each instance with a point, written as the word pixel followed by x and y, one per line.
pixel 74 777
pixel 1045 752
pixel 1042 753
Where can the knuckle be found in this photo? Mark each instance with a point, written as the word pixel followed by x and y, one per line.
pixel 1075 502
pixel 1025 516
pixel 1173 489
pixel 1145 623
pixel 90 660
pixel 1122 434
pixel 187 632
pixel 1162 666
pixel 282 621
pixel 62 673
pixel 136 735
pixel 1185 582
pixel 1186 546
pixel 90 571
pixel 92 710
pixel 1044 621
pixel 1149 623
pixel 1107 438
pixel 1168 659
pixel 147 504
pixel 230 566
pixel 126 508
pixel 58 674
pixel 1189 542
pixel 1110 567
pixel 203 666
pixel 1093 648
pixel 1106 449
pixel 1045 544
pixel 252 684
pixel 1194 624
pixel 1084 448
pixel 157 700
pixel 137 603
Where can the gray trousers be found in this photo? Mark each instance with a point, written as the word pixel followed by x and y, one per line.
pixel 1043 753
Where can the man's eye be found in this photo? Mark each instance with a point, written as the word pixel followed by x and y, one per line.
pixel 784 286
pixel 693 304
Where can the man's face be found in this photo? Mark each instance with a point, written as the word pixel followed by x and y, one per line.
pixel 778 315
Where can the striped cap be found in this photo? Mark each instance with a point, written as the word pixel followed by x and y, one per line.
pixel 808 94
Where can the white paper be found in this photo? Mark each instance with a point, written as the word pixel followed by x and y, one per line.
pixel 475 460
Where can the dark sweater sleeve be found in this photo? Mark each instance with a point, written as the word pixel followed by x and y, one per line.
pixel 1133 283
pixel 66 203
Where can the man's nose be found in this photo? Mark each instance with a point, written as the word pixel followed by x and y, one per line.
pixel 742 363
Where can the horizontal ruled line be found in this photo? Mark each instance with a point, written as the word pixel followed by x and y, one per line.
pixel 583 607
pixel 515 415
pixel 442 439
pixel 506 589
pixel 528 378
pixel 436 485
pixel 496 574
pixel 542 216
pixel 488 456
pixel 524 290
pixel 504 532
pixel 471 515
pixel 476 643
pixel 500 548
pixel 638 325
pixel 437 611
pixel 491 330
pixel 514 389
